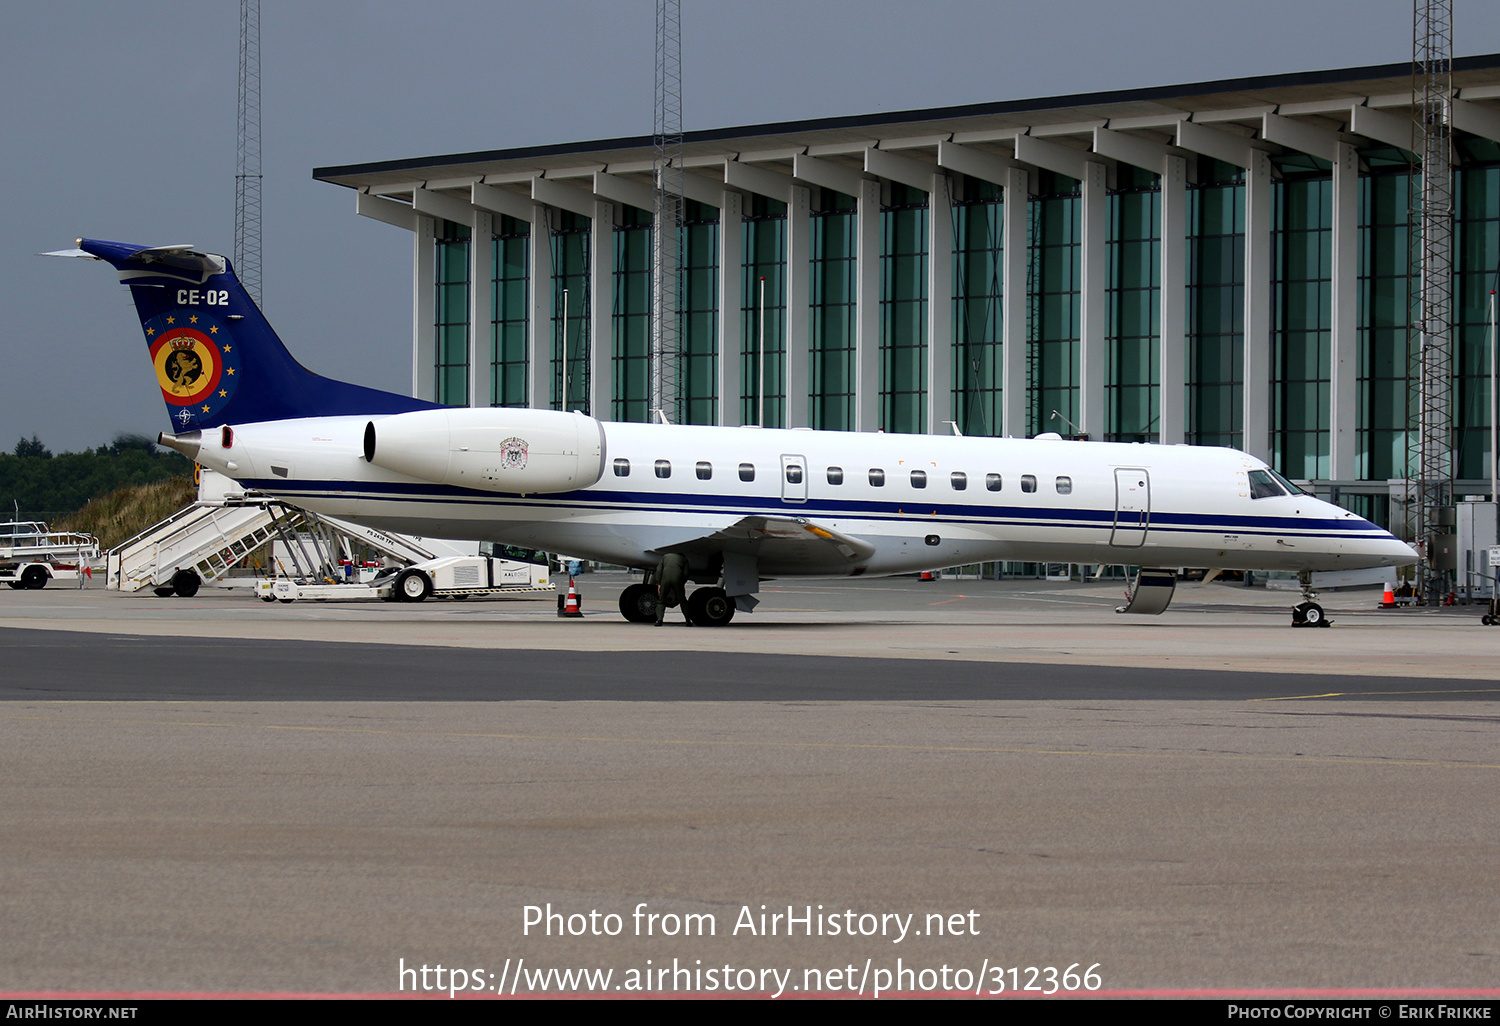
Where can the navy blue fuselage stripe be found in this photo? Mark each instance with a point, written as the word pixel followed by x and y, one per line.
pixel 1013 516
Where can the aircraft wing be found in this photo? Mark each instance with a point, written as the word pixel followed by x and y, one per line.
pixel 784 544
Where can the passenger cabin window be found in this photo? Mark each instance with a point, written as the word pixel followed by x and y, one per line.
pixel 793 474
pixel 1064 486
pixel 622 468
pixel 1028 482
pixel 1263 485
pixel 835 475
pixel 919 479
pixel 663 468
pixel 960 480
pixel 992 482
pixel 705 471
pixel 747 471
pixel 877 477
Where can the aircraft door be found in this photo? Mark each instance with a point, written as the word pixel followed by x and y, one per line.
pixel 793 478
pixel 1132 507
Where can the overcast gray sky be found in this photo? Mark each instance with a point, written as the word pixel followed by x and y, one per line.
pixel 119 123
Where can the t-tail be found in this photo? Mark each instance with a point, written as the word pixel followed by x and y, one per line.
pixel 216 358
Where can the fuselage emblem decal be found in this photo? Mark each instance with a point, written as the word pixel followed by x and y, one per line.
pixel 513 454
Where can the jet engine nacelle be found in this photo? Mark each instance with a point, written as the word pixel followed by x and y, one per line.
pixel 524 452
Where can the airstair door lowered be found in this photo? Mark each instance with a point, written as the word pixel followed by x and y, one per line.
pixel 1132 507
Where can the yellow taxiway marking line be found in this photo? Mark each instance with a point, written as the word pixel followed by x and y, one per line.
pixel 1376 694
pixel 830 745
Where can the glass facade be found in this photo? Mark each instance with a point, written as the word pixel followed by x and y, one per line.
pixel 763 314
pixel 451 315
pixel 510 312
pixel 699 316
pixel 833 282
pixel 903 310
pixel 1216 305
pixel 1384 311
pixel 1476 241
pixel 630 317
pixel 1301 319
pixel 978 295
pixel 571 237
pixel 1052 312
pixel 1133 307
pixel 1299 375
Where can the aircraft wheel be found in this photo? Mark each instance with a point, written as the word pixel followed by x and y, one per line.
pixel 1313 615
pixel 186 583
pixel 413 586
pixel 638 603
pixel 710 607
pixel 34 578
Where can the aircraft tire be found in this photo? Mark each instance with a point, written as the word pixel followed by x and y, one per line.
pixel 35 578
pixel 638 603
pixel 186 583
pixel 413 586
pixel 1313 615
pixel 710 607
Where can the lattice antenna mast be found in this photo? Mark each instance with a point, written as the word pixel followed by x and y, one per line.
pixel 247 175
pixel 1430 349
pixel 666 353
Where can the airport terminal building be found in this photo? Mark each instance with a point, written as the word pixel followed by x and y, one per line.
pixel 1224 263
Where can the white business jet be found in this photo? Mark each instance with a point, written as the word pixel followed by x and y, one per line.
pixel 742 504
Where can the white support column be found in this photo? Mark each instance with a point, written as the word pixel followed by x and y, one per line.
pixel 423 347
pixel 1172 398
pixel 798 316
pixel 539 321
pixel 731 289
pixel 939 304
pixel 1343 361
pixel 1093 345
pixel 1257 321
pixel 601 307
pixel 867 308
pixel 1013 303
pixel 481 306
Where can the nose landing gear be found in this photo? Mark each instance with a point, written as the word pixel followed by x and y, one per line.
pixel 1308 613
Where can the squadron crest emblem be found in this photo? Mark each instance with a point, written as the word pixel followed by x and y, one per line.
pixel 190 353
pixel 513 454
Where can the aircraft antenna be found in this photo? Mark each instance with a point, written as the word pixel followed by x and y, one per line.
pixel 668 213
pixel 1429 348
pixel 247 176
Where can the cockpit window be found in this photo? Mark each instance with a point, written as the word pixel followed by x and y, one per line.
pixel 1291 488
pixel 1263 485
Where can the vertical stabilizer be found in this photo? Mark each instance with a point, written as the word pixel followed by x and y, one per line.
pixel 215 357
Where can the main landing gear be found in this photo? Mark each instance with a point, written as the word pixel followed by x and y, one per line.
pixel 706 607
pixel 1308 613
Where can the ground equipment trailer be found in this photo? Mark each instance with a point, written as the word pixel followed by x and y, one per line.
pixel 445 577
pixel 31 554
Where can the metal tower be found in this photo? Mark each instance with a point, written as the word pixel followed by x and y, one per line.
pixel 666 353
pixel 247 176
pixel 1430 346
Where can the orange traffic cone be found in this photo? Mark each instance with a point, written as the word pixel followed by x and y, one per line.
pixel 1388 600
pixel 571 606
pixel 927 575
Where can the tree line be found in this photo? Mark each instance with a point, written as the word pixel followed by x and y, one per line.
pixel 34 481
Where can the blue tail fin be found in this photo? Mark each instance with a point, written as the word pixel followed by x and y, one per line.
pixel 216 358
